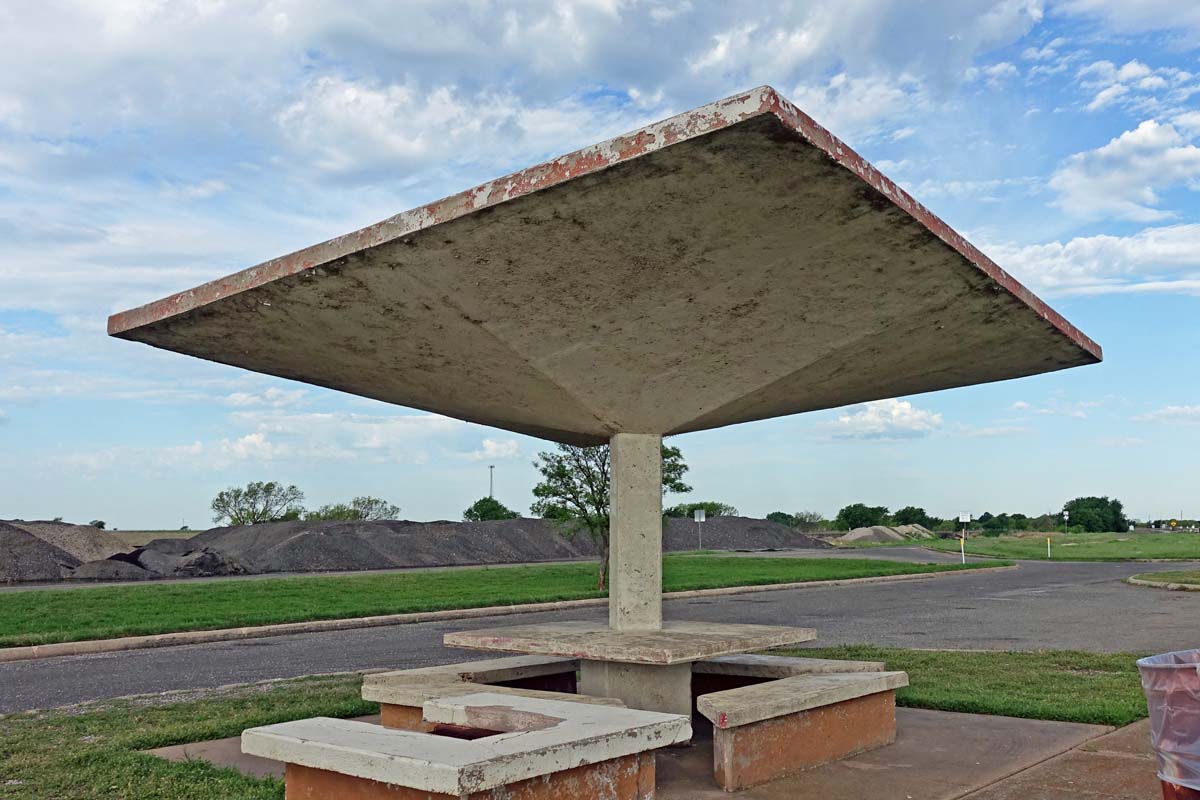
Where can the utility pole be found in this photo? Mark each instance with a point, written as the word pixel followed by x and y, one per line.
pixel 491 480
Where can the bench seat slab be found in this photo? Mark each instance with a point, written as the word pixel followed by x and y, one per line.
pixel 759 752
pixel 625 778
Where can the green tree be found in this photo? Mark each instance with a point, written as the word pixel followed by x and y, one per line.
pixel 782 518
pixel 488 508
pixel 800 520
pixel 365 508
pixel 711 509
pixel 914 515
pixel 1097 514
pixel 258 502
pixel 97 523
pixel 860 515
pixel 574 491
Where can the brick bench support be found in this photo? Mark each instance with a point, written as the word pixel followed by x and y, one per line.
pixel 770 730
pixel 484 746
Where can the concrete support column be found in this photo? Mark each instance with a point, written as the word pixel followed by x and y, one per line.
pixel 635 533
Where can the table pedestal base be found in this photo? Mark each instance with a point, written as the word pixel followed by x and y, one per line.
pixel 648 687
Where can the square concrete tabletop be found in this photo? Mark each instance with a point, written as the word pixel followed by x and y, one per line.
pixel 676 643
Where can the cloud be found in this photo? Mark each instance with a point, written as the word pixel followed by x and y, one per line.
pixel 1134 85
pixel 3 417
pixel 273 397
pixel 1157 260
pixel 856 108
pixel 1138 16
pixel 1176 414
pixel 1122 178
pixel 992 432
pixel 496 450
pixel 1020 405
pixel 885 419
pixel 1046 52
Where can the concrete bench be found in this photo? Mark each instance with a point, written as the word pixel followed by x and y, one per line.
pixel 506 746
pixel 402 694
pixel 768 730
pixel 544 673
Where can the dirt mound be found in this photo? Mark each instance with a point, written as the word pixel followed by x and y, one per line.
pixel 82 541
pixel 735 533
pixel 25 557
pixel 915 531
pixel 875 533
pixel 111 570
pixel 301 546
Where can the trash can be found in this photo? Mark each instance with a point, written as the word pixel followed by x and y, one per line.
pixel 1171 682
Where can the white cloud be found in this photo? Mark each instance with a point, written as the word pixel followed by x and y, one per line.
pixel 1020 405
pixel 1176 414
pixel 1134 85
pixel 855 108
pixel 495 450
pixel 1153 261
pixel 1122 178
pixel 1046 52
pixel 3 417
pixel 273 397
pixel 1139 16
pixel 885 419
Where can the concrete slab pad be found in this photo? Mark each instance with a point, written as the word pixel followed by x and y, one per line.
pixel 676 643
pixel 746 704
pixel 735 262
pixel 937 756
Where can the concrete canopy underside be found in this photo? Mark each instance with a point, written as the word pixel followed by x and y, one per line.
pixel 734 263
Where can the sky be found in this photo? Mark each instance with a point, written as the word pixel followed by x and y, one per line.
pixel 147 147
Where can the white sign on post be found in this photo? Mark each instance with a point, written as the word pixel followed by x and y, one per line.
pixel 698 515
pixel 964 518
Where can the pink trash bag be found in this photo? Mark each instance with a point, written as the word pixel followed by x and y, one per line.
pixel 1171 682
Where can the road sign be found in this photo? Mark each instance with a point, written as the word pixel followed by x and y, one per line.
pixel 698 515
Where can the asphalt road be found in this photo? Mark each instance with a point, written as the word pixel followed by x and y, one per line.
pixel 1039 606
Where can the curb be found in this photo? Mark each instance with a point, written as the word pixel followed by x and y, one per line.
pixel 1174 587
pixel 95 646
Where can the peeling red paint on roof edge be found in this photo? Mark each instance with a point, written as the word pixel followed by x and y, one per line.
pixel 595 158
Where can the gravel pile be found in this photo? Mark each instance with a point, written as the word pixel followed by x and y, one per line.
pixel 736 533
pixel 346 546
pixel 875 533
pixel 25 557
pixel 82 541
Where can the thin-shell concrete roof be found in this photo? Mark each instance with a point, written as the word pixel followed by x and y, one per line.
pixel 732 263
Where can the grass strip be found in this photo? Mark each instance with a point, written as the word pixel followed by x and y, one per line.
pixel 1071 686
pixel 1081 546
pixel 1190 577
pixel 92 750
pixel 66 615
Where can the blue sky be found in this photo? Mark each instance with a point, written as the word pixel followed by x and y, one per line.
pixel 147 147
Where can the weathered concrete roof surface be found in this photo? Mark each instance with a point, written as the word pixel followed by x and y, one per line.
pixel 732 263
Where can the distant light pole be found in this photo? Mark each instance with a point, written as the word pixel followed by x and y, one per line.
pixel 491 480
pixel 698 515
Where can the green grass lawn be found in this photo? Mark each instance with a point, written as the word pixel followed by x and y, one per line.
pixel 61 615
pixel 1081 546
pixel 1191 577
pixel 92 751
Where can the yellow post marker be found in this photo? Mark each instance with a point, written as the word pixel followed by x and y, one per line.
pixel 962 546
pixel 1047 547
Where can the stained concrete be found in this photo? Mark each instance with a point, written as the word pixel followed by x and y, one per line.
pixel 635 533
pixel 937 756
pixel 732 263
pixel 649 686
pixel 676 643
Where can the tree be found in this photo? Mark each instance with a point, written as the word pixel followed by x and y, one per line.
pixel 711 509
pixel 1097 514
pixel 913 515
pixel 97 523
pixel 782 518
pixel 574 491
pixel 488 508
pixel 360 508
pixel 859 515
pixel 258 502
pixel 801 520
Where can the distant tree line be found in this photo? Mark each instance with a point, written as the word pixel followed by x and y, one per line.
pixel 270 501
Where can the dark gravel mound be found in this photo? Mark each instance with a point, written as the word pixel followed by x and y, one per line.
pixel 736 533
pixel 334 546
pixel 111 569
pixel 319 546
pixel 25 557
